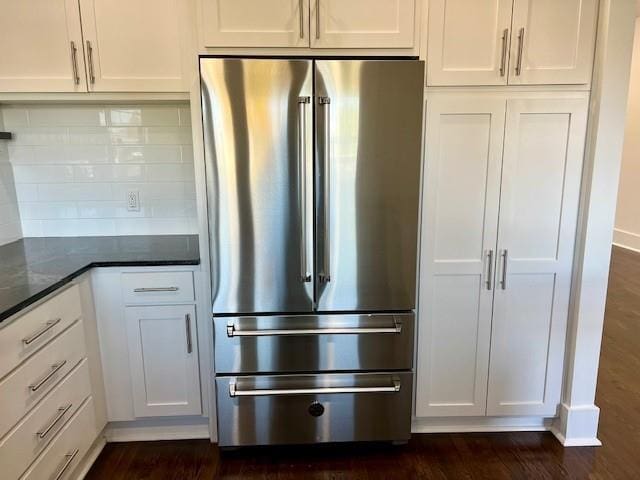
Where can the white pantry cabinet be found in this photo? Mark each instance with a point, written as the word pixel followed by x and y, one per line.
pixel 137 46
pixel 41 46
pixel 362 23
pixel 164 360
pixel 499 42
pixel 499 224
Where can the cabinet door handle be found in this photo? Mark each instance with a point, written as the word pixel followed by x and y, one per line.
pixel 47 326
pixel 301 8
pixel 74 63
pixel 187 322
pixel 489 281
pixel 505 259
pixel 69 458
pixel 92 76
pixel 62 411
pixel 503 58
pixel 520 47
pixel 317 19
pixel 55 368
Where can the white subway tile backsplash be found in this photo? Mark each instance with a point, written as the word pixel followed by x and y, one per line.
pixel 74 164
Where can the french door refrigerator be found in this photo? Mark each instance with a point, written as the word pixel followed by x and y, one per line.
pixel 313 171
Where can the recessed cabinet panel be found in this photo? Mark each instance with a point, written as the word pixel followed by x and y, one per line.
pixel 41 46
pixel 362 23
pixel 134 45
pixel 553 41
pixel 255 23
pixel 457 256
pixel 468 42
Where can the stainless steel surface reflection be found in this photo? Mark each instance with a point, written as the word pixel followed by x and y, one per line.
pixel 269 344
pixel 269 410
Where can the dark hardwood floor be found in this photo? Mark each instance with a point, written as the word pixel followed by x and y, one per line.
pixel 442 456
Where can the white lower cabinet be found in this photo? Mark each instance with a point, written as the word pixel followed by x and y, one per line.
pixel 164 360
pixel 502 181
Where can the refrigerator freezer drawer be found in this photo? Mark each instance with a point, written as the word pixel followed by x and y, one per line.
pixel 295 409
pixel 306 343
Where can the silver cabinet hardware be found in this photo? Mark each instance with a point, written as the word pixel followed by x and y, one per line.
pixel 505 257
pixel 489 280
pixel 156 289
pixel 305 277
pixel 232 332
pixel 62 411
pixel 301 8
pixel 317 19
pixel 503 58
pixel 74 63
pixel 520 47
pixel 325 276
pixel 69 458
pixel 187 322
pixel 55 368
pixel 92 76
pixel 234 392
pixel 47 326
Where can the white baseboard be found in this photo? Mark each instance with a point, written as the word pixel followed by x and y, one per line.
pixel 625 239
pixel 157 429
pixel 577 426
pixel 480 424
pixel 87 462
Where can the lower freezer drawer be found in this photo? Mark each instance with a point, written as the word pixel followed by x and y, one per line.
pixel 295 409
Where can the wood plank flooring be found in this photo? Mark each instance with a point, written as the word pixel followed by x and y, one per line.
pixel 442 456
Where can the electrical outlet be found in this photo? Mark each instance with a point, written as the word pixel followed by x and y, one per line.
pixel 133 201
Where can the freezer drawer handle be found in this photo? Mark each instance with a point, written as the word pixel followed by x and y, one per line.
pixel 234 392
pixel 232 332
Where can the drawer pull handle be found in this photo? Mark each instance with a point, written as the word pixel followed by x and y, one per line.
pixel 232 332
pixel 47 326
pixel 69 458
pixel 156 289
pixel 54 369
pixel 234 392
pixel 62 411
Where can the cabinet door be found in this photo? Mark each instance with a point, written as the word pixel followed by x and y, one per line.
pixel 468 42
pixel 255 23
pixel 134 46
pixel 164 360
pixel 42 46
pixel 553 41
pixel 362 23
pixel 459 228
pixel 544 146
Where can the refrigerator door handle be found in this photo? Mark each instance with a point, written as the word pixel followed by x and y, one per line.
pixel 325 275
pixel 305 276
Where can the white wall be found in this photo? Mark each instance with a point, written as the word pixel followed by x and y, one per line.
pixel 73 166
pixel 627 231
pixel 9 217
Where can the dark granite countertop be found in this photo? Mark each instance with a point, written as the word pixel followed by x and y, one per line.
pixel 32 268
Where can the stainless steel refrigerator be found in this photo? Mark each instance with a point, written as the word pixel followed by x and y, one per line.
pixel 313 175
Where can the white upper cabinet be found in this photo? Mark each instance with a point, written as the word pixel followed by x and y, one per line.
pixel 41 46
pixel 543 151
pixel 468 42
pixel 362 23
pixel 134 45
pixel 553 41
pixel 255 23
pixel 459 225
pixel 499 42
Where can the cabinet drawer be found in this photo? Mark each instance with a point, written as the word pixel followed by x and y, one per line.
pixel 31 435
pixel 157 287
pixel 304 343
pixel 28 384
pixel 323 408
pixel 27 334
pixel 68 448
